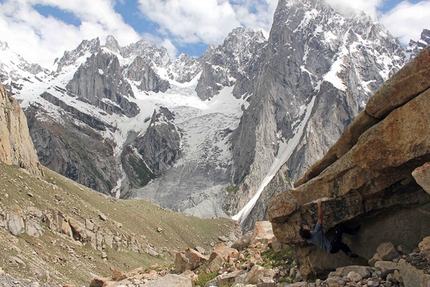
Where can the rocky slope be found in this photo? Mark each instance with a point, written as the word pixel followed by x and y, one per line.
pixel 366 176
pixel 55 232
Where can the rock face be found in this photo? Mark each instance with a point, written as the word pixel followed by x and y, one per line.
pixel 237 58
pixel 160 145
pixel 99 81
pixel 366 176
pixel 74 150
pixel 16 146
pixel 140 71
pixel 319 65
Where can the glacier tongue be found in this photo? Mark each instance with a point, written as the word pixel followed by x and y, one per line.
pixel 196 183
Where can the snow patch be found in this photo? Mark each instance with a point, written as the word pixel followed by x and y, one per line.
pixel 332 76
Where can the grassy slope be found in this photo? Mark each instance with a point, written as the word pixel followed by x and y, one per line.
pixel 58 259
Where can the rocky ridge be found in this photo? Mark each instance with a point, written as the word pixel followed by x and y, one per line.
pixel 366 176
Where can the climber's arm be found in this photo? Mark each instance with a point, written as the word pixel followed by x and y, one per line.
pixel 320 212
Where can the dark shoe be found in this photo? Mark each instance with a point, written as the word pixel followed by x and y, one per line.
pixel 352 255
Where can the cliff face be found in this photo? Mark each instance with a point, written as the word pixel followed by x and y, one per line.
pixel 366 176
pixel 320 68
pixel 16 146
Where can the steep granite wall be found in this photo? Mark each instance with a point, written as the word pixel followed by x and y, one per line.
pixel 366 176
pixel 16 146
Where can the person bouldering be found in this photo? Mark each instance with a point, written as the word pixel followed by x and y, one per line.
pixel 318 237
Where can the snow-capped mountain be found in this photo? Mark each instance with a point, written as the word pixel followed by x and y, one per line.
pixel 416 46
pixel 117 118
pixel 212 136
pixel 321 68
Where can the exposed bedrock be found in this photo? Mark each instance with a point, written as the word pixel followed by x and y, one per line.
pixel 366 177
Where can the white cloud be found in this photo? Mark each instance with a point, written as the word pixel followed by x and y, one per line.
pixel 209 21
pixel 351 7
pixel 171 49
pixel 181 22
pixel 406 21
pixel 257 14
pixel 191 21
pixel 42 39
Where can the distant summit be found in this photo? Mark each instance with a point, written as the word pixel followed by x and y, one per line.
pixel 416 46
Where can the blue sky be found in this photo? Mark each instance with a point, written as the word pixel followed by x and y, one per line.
pixel 51 27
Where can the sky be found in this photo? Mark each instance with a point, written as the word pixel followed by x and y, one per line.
pixel 41 30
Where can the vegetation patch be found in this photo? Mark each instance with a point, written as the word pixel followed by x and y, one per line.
pixel 204 278
pixel 232 189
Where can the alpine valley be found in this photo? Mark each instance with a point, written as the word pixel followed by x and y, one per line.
pixel 213 136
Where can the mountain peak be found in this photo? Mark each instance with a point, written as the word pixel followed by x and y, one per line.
pixel 150 53
pixel 3 46
pixel 85 47
pixel 112 44
pixel 416 46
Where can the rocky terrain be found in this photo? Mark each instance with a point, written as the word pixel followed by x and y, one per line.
pixel 57 232
pixel 366 178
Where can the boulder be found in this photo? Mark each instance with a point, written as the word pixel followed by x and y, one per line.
pixel 422 176
pixel 188 260
pixel 413 277
pixel 387 251
pixel 366 177
pixel 262 233
pixel 226 279
pixel 34 229
pixel 171 280
pixel 424 245
pixel 226 252
pixel 216 262
pixel 16 224
pixel 257 273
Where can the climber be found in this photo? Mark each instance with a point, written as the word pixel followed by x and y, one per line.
pixel 318 238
